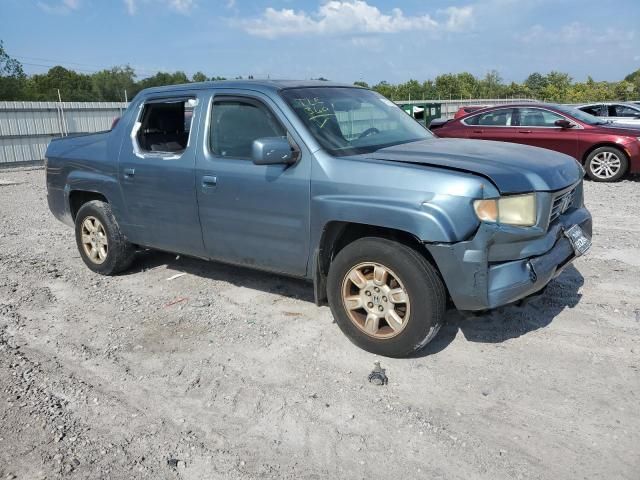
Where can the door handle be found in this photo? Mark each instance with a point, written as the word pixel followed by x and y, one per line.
pixel 525 131
pixel 129 172
pixel 209 181
pixel 477 131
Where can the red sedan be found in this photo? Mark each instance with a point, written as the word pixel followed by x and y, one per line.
pixel 607 151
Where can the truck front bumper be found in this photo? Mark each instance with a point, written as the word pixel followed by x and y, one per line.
pixel 497 267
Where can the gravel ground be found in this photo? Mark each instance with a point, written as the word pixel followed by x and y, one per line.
pixel 229 373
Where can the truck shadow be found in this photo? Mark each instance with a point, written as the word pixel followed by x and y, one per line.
pixel 492 327
pixel 511 321
pixel 236 275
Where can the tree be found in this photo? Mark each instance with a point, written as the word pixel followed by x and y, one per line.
pixel 361 84
pixel 162 78
pixel 491 85
pixel 12 77
pixel 110 85
pixel 73 87
pixel 384 88
pixel 536 83
pixel 199 77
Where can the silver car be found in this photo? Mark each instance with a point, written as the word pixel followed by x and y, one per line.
pixel 616 112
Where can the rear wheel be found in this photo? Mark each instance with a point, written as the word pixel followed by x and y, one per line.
pixel 102 246
pixel 386 297
pixel 606 164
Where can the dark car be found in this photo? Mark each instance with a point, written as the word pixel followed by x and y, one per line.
pixel 327 182
pixel 607 151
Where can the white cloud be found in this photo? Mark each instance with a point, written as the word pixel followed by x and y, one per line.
pixel 350 16
pixel 63 7
pixel 180 6
pixel 131 6
pixel 574 33
pixel 460 18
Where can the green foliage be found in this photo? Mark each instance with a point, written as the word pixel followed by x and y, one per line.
pixel 12 77
pixel 111 84
pixel 199 77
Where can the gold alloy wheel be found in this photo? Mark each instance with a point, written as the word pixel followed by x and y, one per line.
pixel 375 300
pixel 94 240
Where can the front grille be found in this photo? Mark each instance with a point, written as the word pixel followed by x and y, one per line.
pixel 561 204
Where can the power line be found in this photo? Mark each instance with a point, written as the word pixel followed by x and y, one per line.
pixel 96 68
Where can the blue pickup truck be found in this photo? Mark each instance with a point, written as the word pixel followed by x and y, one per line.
pixel 327 182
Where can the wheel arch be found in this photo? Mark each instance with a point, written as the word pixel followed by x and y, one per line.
pixel 591 149
pixel 77 198
pixel 338 234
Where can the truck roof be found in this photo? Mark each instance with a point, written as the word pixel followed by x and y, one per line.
pixel 260 85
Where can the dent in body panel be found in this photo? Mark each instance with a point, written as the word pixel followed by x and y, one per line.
pixel 415 199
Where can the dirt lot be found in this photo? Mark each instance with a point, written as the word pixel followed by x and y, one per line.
pixel 228 373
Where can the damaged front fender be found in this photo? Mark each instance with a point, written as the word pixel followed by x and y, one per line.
pixel 477 281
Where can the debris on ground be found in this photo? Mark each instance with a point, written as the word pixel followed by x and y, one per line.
pixel 177 275
pixel 378 375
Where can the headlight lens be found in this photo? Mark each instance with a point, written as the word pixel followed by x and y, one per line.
pixel 513 210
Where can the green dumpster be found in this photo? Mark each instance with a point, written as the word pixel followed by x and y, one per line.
pixel 423 112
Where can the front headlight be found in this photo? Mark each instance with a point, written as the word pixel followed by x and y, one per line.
pixel 517 210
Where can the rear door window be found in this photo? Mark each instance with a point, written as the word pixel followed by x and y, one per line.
pixel 164 126
pixel 625 111
pixel 494 118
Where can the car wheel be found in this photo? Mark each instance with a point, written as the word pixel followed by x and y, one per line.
pixel 385 296
pixel 103 247
pixel 606 164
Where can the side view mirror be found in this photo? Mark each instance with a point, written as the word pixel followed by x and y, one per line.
pixel 273 151
pixel 563 123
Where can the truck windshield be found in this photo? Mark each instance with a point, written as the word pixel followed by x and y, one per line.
pixel 348 121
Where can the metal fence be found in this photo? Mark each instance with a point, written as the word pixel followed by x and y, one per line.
pixel 450 107
pixel 26 128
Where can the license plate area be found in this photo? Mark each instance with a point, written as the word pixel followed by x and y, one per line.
pixel 579 241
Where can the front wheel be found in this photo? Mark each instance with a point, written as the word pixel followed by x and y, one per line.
pixel 386 297
pixel 606 164
pixel 103 247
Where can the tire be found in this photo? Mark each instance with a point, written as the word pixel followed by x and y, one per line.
pixel 606 164
pixel 117 254
pixel 421 317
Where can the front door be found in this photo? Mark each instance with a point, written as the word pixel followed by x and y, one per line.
pixel 156 171
pixel 536 126
pixel 254 215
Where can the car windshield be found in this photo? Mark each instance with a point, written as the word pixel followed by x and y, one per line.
pixel 580 115
pixel 348 121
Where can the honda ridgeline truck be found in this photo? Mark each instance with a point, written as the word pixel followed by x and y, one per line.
pixel 327 182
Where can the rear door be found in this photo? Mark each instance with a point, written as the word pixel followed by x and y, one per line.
pixel 491 125
pixel 156 172
pixel 254 215
pixel 536 126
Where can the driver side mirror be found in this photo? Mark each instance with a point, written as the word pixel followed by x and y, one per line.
pixel 273 151
pixel 564 123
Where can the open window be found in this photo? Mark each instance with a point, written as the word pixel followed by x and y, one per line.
pixel 164 126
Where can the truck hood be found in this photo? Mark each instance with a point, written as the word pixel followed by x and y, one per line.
pixel 512 168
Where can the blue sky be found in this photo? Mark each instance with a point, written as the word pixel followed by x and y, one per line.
pixel 343 40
